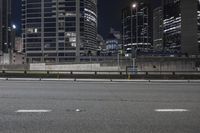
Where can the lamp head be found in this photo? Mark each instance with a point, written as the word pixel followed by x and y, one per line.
pixel 14 26
pixel 134 5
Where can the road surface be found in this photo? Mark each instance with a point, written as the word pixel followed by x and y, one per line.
pixel 99 107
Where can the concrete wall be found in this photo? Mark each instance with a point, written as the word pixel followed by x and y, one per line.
pixel 18 58
pixel 73 67
pixel 143 64
pixel 167 64
pixel 5 59
pixel 14 67
pixel 37 66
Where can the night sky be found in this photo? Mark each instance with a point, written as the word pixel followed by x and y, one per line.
pixel 109 14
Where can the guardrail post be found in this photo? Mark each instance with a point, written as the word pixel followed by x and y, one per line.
pixel 173 73
pixel 25 72
pixel 126 71
pixel 3 71
pixel 95 73
pixel 71 73
pixel 120 73
pixel 48 72
pixel 147 73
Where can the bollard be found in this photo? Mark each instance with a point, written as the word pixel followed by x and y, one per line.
pixel 129 77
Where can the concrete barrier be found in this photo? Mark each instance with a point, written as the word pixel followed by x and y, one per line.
pixel 73 67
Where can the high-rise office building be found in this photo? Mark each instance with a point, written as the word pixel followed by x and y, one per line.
pixel 158 29
pixel 113 42
pixel 198 24
pixel 5 30
pixel 59 30
pixel 136 29
pixel 181 32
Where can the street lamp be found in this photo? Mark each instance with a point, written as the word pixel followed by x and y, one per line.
pixel 13 35
pixel 14 26
pixel 12 46
pixel 135 7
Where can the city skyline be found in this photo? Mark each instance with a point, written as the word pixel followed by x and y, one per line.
pixel 52 31
pixel 107 17
pixel 99 66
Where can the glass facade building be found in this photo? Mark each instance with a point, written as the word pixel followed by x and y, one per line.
pixel 198 23
pixel 112 45
pixel 136 29
pixel 58 30
pixel 158 29
pixel 172 25
pixel 5 26
pixel 181 26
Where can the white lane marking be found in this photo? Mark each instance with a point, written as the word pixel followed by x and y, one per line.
pixel 78 110
pixel 33 111
pixel 171 110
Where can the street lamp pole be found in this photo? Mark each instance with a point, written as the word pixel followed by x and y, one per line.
pixel 134 51
pixel 132 31
pixel 136 48
pixel 118 58
pixel 12 45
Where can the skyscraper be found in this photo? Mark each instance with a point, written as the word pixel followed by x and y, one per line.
pixel 181 32
pixel 136 29
pixel 158 29
pixel 5 30
pixel 59 30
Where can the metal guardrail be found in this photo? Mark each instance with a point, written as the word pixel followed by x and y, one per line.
pixel 41 74
pixel 49 72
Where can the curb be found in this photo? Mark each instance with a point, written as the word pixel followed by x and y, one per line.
pixel 101 80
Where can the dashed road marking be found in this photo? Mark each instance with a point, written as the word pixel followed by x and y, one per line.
pixel 171 110
pixel 33 111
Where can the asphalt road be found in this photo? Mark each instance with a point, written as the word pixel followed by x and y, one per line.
pixel 101 107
